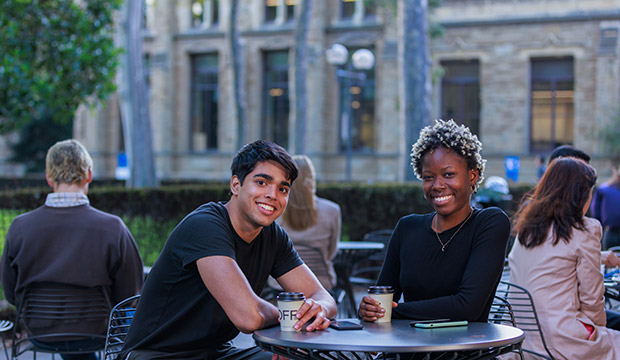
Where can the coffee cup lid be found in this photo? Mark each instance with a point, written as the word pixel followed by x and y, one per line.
pixel 380 289
pixel 291 296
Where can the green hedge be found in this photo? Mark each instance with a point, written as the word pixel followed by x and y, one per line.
pixel 364 207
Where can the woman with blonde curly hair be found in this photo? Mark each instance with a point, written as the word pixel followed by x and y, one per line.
pixel 445 264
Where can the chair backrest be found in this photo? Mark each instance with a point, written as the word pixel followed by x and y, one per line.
pixel 120 321
pixel 501 312
pixel 59 312
pixel 314 259
pixel 382 236
pixel 524 311
pixel 316 262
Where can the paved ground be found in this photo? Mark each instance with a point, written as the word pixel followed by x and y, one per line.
pixel 243 340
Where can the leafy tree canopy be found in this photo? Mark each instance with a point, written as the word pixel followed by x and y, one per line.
pixel 55 55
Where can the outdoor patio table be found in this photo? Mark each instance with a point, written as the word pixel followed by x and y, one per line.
pixel 474 341
pixel 349 253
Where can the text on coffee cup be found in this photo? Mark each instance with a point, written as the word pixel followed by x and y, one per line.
pixel 287 314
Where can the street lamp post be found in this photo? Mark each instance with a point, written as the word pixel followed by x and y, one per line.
pixel 362 59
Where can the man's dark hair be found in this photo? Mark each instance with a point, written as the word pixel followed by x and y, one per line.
pixel 261 150
pixel 568 151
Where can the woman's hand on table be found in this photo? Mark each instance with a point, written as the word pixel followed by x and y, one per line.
pixel 309 310
pixel 370 309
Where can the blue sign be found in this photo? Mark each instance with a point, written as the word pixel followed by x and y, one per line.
pixel 512 165
pixel 122 168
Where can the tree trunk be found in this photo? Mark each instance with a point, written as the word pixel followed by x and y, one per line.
pixel 238 72
pixel 416 75
pixel 134 101
pixel 301 72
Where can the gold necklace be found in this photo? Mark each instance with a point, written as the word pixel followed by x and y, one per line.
pixel 443 246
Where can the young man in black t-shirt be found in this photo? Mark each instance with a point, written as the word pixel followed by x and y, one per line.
pixel 204 287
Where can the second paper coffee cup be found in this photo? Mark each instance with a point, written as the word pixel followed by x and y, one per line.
pixel 288 304
pixel 383 294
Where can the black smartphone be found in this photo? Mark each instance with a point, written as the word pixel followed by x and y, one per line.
pixel 435 323
pixel 345 325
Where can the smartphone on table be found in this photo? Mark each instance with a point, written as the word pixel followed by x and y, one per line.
pixel 436 323
pixel 345 325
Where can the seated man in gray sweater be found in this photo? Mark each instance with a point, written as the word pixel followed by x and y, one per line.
pixel 68 243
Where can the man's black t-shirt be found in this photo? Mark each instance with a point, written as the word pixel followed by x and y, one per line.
pixel 176 311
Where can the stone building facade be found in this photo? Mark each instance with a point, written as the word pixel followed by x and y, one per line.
pixel 526 75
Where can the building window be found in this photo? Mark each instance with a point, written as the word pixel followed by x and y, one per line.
pixel 279 11
pixel 357 102
pixel 205 13
pixel 276 104
pixel 358 10
pixel 146 68
pixel 552 103
pixel 148 12
pixel 204 102
pixel 460 93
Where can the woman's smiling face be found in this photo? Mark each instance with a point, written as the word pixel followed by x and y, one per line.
pixel 447 181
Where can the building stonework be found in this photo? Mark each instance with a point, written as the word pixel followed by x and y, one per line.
pixel 502 36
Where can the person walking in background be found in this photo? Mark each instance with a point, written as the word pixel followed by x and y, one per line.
pixel 312 221
pixel 446 264
pixel 606 208
pixel 556 257
pixel 67 242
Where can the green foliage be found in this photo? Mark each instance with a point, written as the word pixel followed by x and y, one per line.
pixel 35 138
pixel 152 213
pixel 6 217
pixel 55 55
pixel 372 207
pixel 150 235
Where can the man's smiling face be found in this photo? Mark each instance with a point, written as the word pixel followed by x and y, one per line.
pixel 263 195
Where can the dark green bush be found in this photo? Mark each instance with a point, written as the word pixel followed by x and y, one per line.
pixel 364 207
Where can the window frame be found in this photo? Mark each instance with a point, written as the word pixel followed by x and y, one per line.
pixel 552 80
pixel 461 116
pixel 210 16
pixel 209 119
pixel 367 85
pixel 275 119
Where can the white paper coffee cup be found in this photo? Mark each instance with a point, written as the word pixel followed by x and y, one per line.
pixel 288 304
pixel 383 294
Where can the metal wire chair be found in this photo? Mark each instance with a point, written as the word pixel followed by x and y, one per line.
pixel 119 323
pixel 51 313
pixel 525 315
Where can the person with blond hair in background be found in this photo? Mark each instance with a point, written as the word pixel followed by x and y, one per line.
pixel 557 257
pixel 311 221
pixel 68 243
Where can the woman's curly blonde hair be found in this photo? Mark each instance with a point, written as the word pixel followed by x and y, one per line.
pixel 457 138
